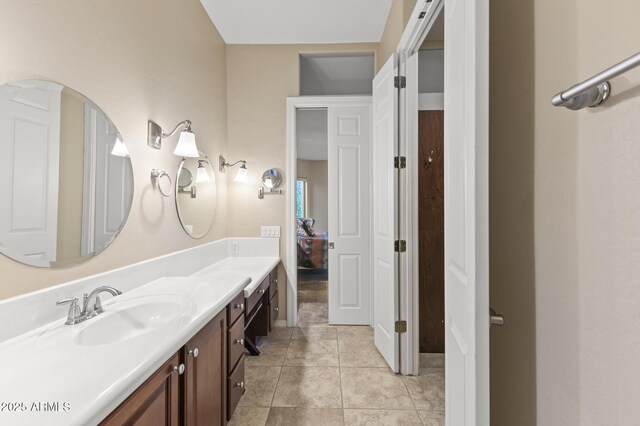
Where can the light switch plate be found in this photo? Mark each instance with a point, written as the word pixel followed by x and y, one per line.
pixel 270 231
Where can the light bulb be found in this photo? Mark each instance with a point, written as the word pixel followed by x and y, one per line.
pixel 241 176
pixel 186 145
pixel 119 149
pixel 201 174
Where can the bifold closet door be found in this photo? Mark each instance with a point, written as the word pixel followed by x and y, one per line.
pixel 385 213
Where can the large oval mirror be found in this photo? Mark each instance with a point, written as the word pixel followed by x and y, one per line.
pixel 66 181
pixel 196 198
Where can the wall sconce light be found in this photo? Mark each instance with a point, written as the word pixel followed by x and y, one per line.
pixel 241 175
pixel 119 149
pixel 186 146
pixel 201 173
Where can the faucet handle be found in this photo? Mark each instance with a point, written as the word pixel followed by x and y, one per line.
pixel 97 306
pixel 66 301
pixel 74 310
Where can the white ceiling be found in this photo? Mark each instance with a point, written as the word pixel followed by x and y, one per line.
pixel 298 21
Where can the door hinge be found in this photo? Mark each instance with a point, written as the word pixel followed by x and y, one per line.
pixel 401 326
pixel 400 162
pixel 400 246
pixel 400 82
pixel 423 14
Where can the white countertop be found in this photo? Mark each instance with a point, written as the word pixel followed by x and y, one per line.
pixel 46 365
pixel 256 267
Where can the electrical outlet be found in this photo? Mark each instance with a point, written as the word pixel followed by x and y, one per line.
pixel 270 231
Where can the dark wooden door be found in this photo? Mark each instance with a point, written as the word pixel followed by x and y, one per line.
pixel 431 230
pixel 206 374
pixel 155 403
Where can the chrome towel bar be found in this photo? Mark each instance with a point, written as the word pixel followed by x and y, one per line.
pixel 594 91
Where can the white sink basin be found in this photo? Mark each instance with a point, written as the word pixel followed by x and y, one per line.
pixel 131 318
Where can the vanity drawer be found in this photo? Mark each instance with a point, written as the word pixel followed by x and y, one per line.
pixel 235 342
pixel 235 308
pixel 273 311
pixel 253 300
pixel 273 285
pixel 235 388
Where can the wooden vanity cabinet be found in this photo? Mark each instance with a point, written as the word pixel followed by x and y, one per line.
pixel 155 403
pixel 204 384
pixel 274 309
pixel 235 358
pixel 194 387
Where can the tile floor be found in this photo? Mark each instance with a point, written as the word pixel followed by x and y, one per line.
pixel 316 374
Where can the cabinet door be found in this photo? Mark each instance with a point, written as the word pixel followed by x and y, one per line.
pixel 155 403
pixel 273 284
pixel 273 311
pixel 205 382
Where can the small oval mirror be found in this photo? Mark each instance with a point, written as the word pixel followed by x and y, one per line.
pixel 272 178
pixel 196 200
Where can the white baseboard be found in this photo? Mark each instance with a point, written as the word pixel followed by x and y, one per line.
pixel 280 323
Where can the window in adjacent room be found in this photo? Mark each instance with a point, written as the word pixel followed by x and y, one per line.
pixel 301 198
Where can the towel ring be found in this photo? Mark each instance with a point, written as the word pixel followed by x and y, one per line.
pixel 158 174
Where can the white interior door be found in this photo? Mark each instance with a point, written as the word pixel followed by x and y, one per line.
pixel 349 181
pixel 29 163
pixel 466 211
pixel 108 183
pixel 385 181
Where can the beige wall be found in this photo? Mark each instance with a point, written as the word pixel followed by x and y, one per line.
pixel 565 251
pixel 259 79
pixel 148 59
pixel 607 200
pixel 71 182
pixel 396 21
pixel 316 173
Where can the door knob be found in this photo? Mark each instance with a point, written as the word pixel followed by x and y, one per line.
pixel 194 352
pixel 495 319
pixel 332 245
pixel 179 369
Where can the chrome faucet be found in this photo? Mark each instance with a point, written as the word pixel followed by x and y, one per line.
pixel 76 315
pixel 91 311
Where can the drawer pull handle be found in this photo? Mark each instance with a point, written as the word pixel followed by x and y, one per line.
pixel 194 352
pixel 275 280
pixel 240 306
pixel 240 385
pixel 276 309
pixel 239 342
pixel 179 369
pixel 261 291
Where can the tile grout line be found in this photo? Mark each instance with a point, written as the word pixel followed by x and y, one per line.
pixel 411 398
pixel 279 375
pixel 340 376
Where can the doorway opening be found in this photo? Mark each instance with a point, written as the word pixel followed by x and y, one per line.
pixel 431 229
pixel 334 255
pixel 311 204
